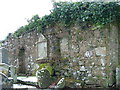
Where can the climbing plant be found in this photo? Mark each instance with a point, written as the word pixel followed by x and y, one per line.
pixel 33 24
pixel 68 13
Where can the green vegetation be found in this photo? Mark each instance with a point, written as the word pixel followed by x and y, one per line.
pixel 47 66
pixel 33 24
pixel 67 13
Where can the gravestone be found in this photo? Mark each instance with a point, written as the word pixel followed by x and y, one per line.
pixel 42 47
pixel 3 55
pixel 42 50
pixel 43 78
pixel 118 76
pixel 3 59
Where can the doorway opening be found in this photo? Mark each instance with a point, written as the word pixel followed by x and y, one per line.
pixel 21 59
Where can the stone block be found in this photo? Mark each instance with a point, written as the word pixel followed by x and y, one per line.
pixel 97 33
pixel 100 51
pixel 61 83
pixel 43 77
pixel 118 76
pixel 81 63
pixel 82 68
pixel 103 61
pixel 88 54
pixel 42 50
pixel 41 38
pixel 3 55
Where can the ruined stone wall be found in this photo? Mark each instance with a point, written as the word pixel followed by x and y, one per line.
pixel 81 54
pixel 28 42
pixel 92 55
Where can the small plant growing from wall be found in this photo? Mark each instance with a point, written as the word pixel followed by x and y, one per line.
pixel 47 66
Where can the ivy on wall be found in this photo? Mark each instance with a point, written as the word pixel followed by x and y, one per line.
pixel 33 24
pixel 67 13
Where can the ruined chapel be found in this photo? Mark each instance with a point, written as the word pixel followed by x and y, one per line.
pixel 78 51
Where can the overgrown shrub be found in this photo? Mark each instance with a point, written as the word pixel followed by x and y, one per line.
pixel 68 13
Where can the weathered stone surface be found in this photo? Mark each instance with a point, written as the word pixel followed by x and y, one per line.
pixel 118 76
pixel 103 62
pixel 82 54
pixel 42 50
pixel 64 47
pixel 100 51
pixel 41 38
pixel 43 77
pixel 88 54
pixel 82 68
pixel 0 56
pixel 61 83
pixel 3 55
pixel 13 73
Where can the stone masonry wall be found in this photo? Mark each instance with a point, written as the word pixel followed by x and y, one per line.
pixel 28 42
pixel 82 55
pixel 87 55
pixel 92 55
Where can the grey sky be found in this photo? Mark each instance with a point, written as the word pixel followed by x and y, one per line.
pixel 14 13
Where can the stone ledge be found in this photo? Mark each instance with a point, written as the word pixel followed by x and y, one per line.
pixel 41 61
